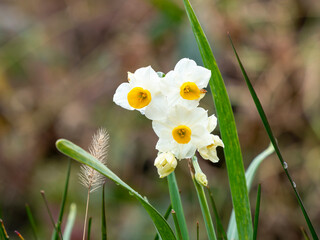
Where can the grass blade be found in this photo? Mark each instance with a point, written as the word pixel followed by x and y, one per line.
pixel 165 216
pixel 177 205
pixel 19 235
pixel 274 142
pixel 70 222
pixel 71 150
pixel 232 151
pixel 55 227
pixel 198 230
pixel 3 231
pixel 256 214
pixel 203 205
pixel 220 230
pixel 176 223
pixel 304 233
pixel 250 173
pixel 32 222
pixel 103 217
pixel 64 199
pixel 89 228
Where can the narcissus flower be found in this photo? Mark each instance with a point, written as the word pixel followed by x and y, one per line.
pixel 165 163
pixel 209 152
pixel 142 93
pixel 185 84
pixel 182 131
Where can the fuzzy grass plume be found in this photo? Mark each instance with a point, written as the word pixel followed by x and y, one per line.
pixel 88 177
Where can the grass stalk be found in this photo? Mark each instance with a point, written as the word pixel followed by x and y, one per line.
pixel 176 223
pixel 220 230
pixel 203 205
pixel 19 235
pixel 177 205
pixel 32 222
pixel 3 231
pixel 86 216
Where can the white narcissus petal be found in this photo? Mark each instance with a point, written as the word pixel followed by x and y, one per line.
pixel 158 107
pixel 209 152
pixel 212 123
pixel 183 64
pixel 182 151
pixel 120 97
pixel 200 136
pixel 200 76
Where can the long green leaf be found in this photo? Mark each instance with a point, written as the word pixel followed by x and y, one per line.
pixel 250 173
pixel 177 205
pixel 32 222
pixel 70 222
pixel 256 214
pixel 274 142
pixel 63 203
pixel 77 153
pixel 232 151
pixel 165 216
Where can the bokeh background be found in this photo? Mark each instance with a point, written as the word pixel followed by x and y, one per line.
pixel 62 60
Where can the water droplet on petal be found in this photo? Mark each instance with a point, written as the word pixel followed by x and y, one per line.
pixel 285 165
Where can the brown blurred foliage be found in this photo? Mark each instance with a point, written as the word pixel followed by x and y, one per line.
pixel 61 61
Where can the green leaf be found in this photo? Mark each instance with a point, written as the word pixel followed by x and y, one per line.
pixel 89 228
pixel 177 205
pixel 70 221
pixel 274 142
pixel 68 148
pixel 32 222
pixel 64 199
pixel 250 173
pixel 232 151
pixel 256 214
pixel 166 216
pixel 103 217
pixel 220 230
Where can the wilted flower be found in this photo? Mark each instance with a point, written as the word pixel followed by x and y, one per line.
pixel 185 84
pixel 209 152
pixel 165 163
pixel 182 131
pixel 142 93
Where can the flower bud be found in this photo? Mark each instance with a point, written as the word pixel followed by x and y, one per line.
pixel 201 178
pixel 165 163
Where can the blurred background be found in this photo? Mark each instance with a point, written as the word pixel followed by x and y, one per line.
pixel 62 60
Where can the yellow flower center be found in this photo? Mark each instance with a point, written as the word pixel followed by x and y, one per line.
pixel 189 91
pixel 182 134
pixel 139 97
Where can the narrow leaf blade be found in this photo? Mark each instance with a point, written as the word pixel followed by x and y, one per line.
pixel 70 222
pixel 32 222
pixel 250 173
pixel 70 149
pixel 103 217
pixel 236 173
pixel 177 205
pixel 256 214
pixel 274 142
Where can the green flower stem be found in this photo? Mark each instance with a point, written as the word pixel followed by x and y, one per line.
pixel 203 204
pixel 177 205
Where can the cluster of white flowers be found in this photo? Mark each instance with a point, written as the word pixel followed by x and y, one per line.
pixel 171 102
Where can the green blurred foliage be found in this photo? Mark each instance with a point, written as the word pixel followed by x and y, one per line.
pixel 61 61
